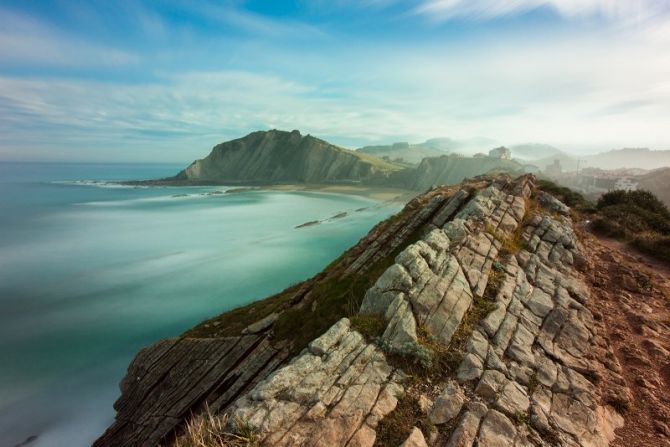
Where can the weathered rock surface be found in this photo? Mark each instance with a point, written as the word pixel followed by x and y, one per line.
pixel 335 393
pixel 527 376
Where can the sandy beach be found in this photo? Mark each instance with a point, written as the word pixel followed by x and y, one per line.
pixel 372 192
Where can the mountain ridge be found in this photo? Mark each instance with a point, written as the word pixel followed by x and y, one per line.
pixel 277 156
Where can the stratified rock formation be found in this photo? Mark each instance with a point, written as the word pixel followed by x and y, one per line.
pixel 468 322
pixel 277 156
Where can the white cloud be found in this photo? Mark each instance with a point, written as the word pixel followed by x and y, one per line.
pixel 574 90
pixel 628 11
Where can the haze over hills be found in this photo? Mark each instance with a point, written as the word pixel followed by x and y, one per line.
pixel 642 158
pixel 449 170
pixel 534 151
pixel 627 158
pixel 405 152
pixel 413 153
pixel 280 157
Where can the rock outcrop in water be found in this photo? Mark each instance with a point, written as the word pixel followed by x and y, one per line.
pixel 464 320
pixel 277 156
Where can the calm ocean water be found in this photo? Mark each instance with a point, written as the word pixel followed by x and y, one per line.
pixel 90 273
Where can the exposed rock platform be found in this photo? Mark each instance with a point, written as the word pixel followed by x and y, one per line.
pixel 483 304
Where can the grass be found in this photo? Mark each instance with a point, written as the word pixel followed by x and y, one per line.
pixel 370 326
pixel 622 406
pixel 396 426
pixel 209 430
pixel 533 382
pixel 333 298
pixel 521 418
pixel 509 244
pixel 234 321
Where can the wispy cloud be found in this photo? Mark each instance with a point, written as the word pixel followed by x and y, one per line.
pixel 24 39
pixel 573 89
pixel 617 10
pixel 568 93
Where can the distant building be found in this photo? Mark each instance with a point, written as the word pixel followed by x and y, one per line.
pixel 479 155
pixel 500 152
pixel 627 184
pixel 554 169
pixel 400 145
pixel 531 169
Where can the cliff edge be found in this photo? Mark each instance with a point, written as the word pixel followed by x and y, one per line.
pixel 466 319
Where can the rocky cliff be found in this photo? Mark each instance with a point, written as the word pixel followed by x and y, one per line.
pixel 282 157
pixel 467 319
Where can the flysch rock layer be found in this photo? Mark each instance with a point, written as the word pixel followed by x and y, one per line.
pixel 173 379
pixel 334 393
pixel 527 378
pixel 524 380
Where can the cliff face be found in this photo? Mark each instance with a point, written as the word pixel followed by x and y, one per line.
pixel 464 320
pixel 282 157
pixel 449 170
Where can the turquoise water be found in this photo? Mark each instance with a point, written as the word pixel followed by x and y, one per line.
pixel 91 272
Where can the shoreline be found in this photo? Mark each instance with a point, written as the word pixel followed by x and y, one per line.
pixel 371 192
pixel 380 193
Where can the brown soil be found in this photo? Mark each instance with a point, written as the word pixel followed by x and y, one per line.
pixel 631 303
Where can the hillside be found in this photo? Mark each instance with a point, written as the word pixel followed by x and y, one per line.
pixel 658 182
pixel 415 152
pixel 641 158
pixel 275 156
pixel 534 151
pixel 475 316
pixel 409 153
pixel 449 170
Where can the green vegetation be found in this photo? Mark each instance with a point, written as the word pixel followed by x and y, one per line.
pixel 371 326
pixel 234 321
pixel 637 217
pixel 416 358
pixel 331 299
pixel 210 430
pixel 396 426
pixel 619 404
pixel 533 382
pixel 571 198
pixel 510 244
pixel 520 418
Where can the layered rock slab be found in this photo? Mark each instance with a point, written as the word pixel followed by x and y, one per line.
pixel 526 377
pixel 333 394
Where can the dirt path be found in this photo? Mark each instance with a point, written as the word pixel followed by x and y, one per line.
pixel 632 302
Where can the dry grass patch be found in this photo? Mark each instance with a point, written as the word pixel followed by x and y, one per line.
pixel 396 426
pixel 210 430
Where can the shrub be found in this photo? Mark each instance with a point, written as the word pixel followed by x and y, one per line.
pixel 397 425
pixel 409 355
pixel 637 217
pixel 571 198
pixel 210 430
pixel 371 326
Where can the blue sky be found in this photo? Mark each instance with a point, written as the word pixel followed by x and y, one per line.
pixel 165 81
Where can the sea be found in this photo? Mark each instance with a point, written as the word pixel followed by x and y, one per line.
pixel 91 271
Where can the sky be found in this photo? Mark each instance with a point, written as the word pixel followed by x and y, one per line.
pixel 140 81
